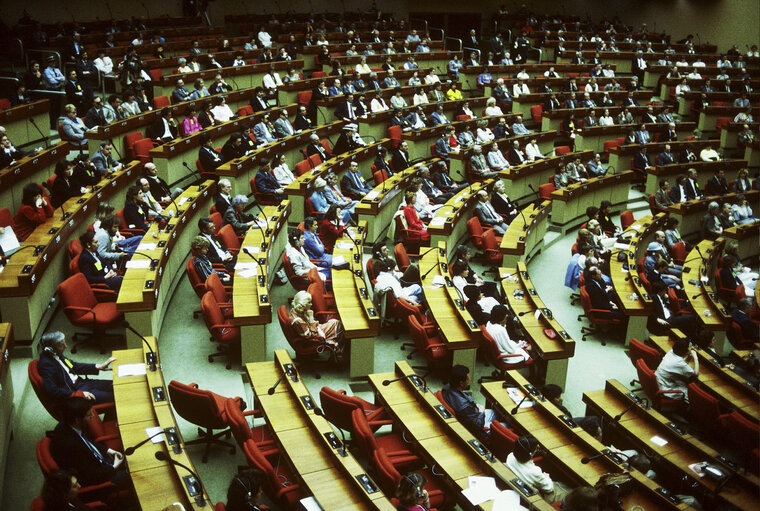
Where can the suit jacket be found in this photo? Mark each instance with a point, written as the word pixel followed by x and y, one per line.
pixel 350 187
pixel 668 136
pixel 648 118
pixel 641 161
pixel 266 182
pixel 88 265
pixel 70 452
pixel 504 206
pixel 442 148
pixel 238 221
pixel 342 111
pixel 436 119
pixel 313 245
pixel 262 133
pixel 259 104
pixel 399 160
pixel 514 157
pixel 102 162
pixel 6 158
pixel 230 152
pixel 716 186
pixel 221 204
pixel 658 313
pixel 665 158
pixel 662 199
pixel 749 328
pixel 136 216
pixel 156 129
pixel 209 158
pixel 302 122
pixel 692 189
pixel 158 187
pixel 94 117
pixel 676 196
pixel 63 190
pixel 54 378
pixel 598 295
pixel 73 128
pixel 283 128
pixel 465 409
pixel 487 215
pixel 318 149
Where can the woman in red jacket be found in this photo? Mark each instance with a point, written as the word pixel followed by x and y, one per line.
pixel 34 210
pixel 331 228
pixel 413 221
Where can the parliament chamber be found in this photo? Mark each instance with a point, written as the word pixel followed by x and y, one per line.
pixel 347 259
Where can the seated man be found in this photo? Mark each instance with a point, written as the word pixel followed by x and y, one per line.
pixel 61 375
pixel 93 462
pixel 93 267
pixel 218 252
pixel 599 294
pixel 741 316
pixel 387 280
pixel 266 182
pixel 487 214
pixel 662 319
pixel 674 371
pixel 473 416
pixel 353 183
pixel 662 198
pixel 520 462
pixel 479 165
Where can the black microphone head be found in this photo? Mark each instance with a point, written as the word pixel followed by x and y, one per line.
pixel 270 391
pixel 318 411
pixel 514 410
pixel 386 383
pixel 585 460
pixel 129 450
pixel 161 455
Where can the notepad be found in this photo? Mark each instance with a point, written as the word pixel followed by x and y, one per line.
pixel 516 396
pixel 153 431
pixel 137 263
pixel 131 370
pixel 146 247
pixel 372 195
pixel 8 241
pixel 240 265
pixel 247 274
pixel 311 504
pixel 344 245
pixel 438 221
pixel 438 280
pixel 507 500
pixel 253 250
pixel 338 260
pixel 658 440
pixel 181 201
pixel 481 489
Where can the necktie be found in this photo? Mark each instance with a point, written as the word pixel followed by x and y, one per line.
pixel 91 446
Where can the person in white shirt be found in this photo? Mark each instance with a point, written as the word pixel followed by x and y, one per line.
pixel 492 108
pixel 272 80
pixel 397 100
pixel 432 78
pixel 104 63
pixel 264 38
pixel 674 371
pixel 281 171
pixel 420 98
pixel 520 462
pixel 362 67
pixel 695 74
pixel 496 159
pixel 299 260
pixel 388 280
pixel 532 151
pixel 520 88
pixel 523 75
pixel 378 104
pixel 484 135
pixel 221 110
pixel 606 119
pixel 497 328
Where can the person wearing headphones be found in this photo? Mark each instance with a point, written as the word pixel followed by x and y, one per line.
pixel 245 490
pixel 520 461
pixel 411 493
pixel 63 378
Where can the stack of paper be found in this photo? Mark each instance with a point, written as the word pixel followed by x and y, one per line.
pixel 146 247
pixel 138 263
pixel 131 370
pixel 438 280
pixel 344 245
pixel 253 250
pixel 482 489
pixel 439 220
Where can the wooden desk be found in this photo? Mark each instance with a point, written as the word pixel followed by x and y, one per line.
pixel 709 115
pixel 456 326
pixel 522 103
pixel 525 235
pixel 449 224
pixel 704 168
pixel 690 213
pixel 378 206
pixel 639 426
pixel 621 156
pixel 636 302
pixel 731 390
pixel 301 189
pixel 436 59
pixel 687 99
pixel 565 444
pixel 309 442
pixel 33 168
pixel 142 402
pixel 251 304
pixel 569 204
pixel 19 122
pixel 552 119
pixel 748 238
pixel 522 181
pixel 729 134
pixel 523 300
pixel 360 318
pixel 594 137
pixel 139 297
pixel 29 280
pixel 442 440
pixel 6 396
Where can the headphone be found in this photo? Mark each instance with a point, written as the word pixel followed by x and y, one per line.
pixel 245 485
pixel 413 482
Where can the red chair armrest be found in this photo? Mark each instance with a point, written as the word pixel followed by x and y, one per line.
pixel 509 355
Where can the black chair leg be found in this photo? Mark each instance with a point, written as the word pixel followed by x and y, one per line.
pixel 209 438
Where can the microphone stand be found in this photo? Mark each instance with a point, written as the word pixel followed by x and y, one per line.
pixel 153 262
pixel 44 137
pixel 516 408
pixel 261 279
pixel 190 481
pixel 409 377
pixel 130 450
pixel 151 357
pixel 271 389
pixel 343 452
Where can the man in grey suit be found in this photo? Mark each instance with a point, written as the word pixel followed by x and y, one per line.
pixel 479 165
pixel 283 127
pixel 488 215
pixel 103 161
pixel 262 132
pixel 73 127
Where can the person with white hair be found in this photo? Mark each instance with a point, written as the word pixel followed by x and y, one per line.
pixel 237 217
pixel 492 108
pixel 487 214
pixel 496 159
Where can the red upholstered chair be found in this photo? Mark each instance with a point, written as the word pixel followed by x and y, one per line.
pixel 141 148
pixel 595 317
pixel 265 199
pixel 660 398
pixel 638 350
pixel 221 293
pixel 736 337
pixel 397 450
pixel 281 486
pixel 124 228
pixel 402 256
pixel 388 478
pixel 238 423
pixel 428 344
pixel 678 252
pixel 536 112
pixel 216 217
pixel 726 293
pixel 129 142
pixel 475 230
pixel 74 248
pixel 741 431
pixel 491 245
pixel 323 304
pixel 545 191
pixel 160 102
pixel 500 360
pixel 223 330
pixel 299 282
pixel 204 409
pixel 394 133
pixel 6 217
pixel 562 149
pixel 306 351
pixel 84 310
pixel 338 407
pixel 721 122
pixel 199 286
pixel 626 219
pixel 315 160
pixel 704 410
pixel 312 211
pixel 653 207
pixel 304 97
pixel 302 167
pixel 439 394
pixel 230 238
pixel 409 237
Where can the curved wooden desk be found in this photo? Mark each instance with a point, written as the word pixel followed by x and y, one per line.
pixel 621 156
pixel 522 181
pixel 640 426
pixel 552 353
pixel 704 168
pixel 29 280
pixel 6 396
pixel 33 168
pixel 689 214
pixel 748 238
pixel 19 122
pixel 565 443
pixel 142 402
pixel 442 440
pixel 449 224
pixel 139 297
pixel 525 235
pixel 569 204
pixel 337 482
pixel 594 137
pixel 251 304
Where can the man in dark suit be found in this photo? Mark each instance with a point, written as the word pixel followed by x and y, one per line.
pixel 649 117
pixel 267 183
pixel 75 93
pixel 678 192
pixel 8 152
pixel 399 120
pixel 302 121
pixel 94 462
pixel 315 147
pixel 717 185
pixel 688 154
pixel 218 252
pixel 208 157
pixel 346 110
pixel 259 101
pixel 740 316
pixel 62 377
pixel 442 180
pixel 630 100
pixel 164 128
pixel 353 183
pixel 515 156
pixel 641 161
pixel 599 295
pixel 666 157
pixel 224 197
pixel 669 135
pixel 400 157
pixel 662 319
pixel 93 267
pixel 571 102
pixel 552 103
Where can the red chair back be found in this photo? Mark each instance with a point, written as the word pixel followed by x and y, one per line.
pixel 703 408
pixel 76 295
pixel 545 191
pixel 160 102
pixel 302 167
pixel 229 238
pixel 304 97
pixel 6 217
pixel 679 252
pixel 338 407
pixel 222 330
pixel 198 285
pixel 141 150
pixel 402 258
pixel 475 230
pixel 50 404
pixel 491 246
pixel 560 150
pixel 214 286
pixel 197 406
pixel 537 111
pixel 639 350
pixel 502 440
pixel 314 160
pixel 626 219
pixel 217 219
pixel 394 133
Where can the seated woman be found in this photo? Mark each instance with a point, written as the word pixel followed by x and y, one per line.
pixel 334 195
pixel 411 493
pixel 34 210
pixel 520 461
pixel 135 210
pixel 497 328
pixel 60 491
pixel 320 202
pixel 748 277
pixel 742 211
pixel 328 334
pixel 492 108
pixel 332 227
pixel 413 221
pixel 491 289
pixel 411 275
pixel 203 267
pixel 298 257
pixel 237 217
pixel 313 244
pixel 496 159
pixel 95 269
pixel 388 280
pixel 478 305
pixel 190 124
pixel 64 186
pixel 484 135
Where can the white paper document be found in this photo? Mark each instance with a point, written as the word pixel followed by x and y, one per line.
pixel 146 247
pixel 181 201
pixel 253 250
pixel 153 431
pixel 246 265
pixel 338 259
pixel 131 370
pixel 247 274
pixel 516 395
pixel 507 500
pixel 311 504
pixel 344 245
pixel 438 280
pixel 438 221
pixel 139 263
pixel 8 241
pixel 658 440
pixel 372 195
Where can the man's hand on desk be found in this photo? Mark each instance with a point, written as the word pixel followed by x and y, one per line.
pixel 104 365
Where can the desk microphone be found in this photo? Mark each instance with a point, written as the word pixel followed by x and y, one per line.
pixel 523 313
pixel 408 377
pixel 427 252
pixel 273 387
pixel 525 221
pixel 117 151
pixel 130 450
pixel 44 137
pixel 342 451
pixel 65 214
pixel 514 410
pixel 192 482
pixel 200 178
pixel 619 416
pixel 151 357
pixel 262 279
pixel 586 459
pixel 428 272
pixel 263 233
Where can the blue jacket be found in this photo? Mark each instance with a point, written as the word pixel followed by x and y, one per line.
pixel 54 378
